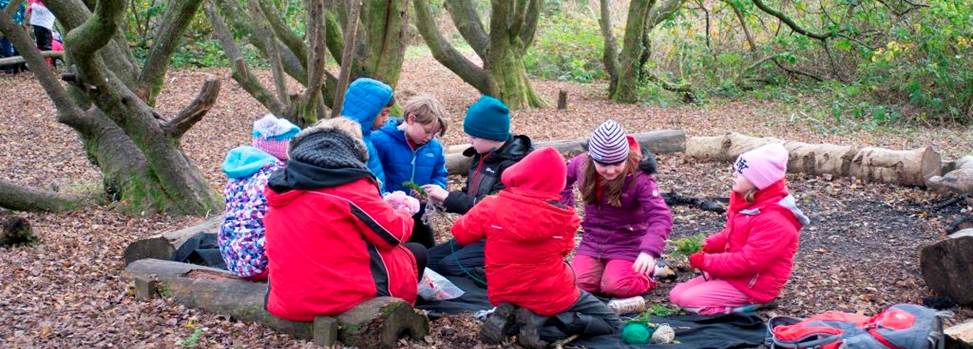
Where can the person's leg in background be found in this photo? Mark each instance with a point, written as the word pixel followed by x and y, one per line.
pixel 421 255
pixel 588 271
pixel 708 297
pixel 621 281
pixel 43 38
pixel 422 233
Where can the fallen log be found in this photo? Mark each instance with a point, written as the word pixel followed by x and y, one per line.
pixel 15 230
pixel 659 142
pixel 377 323
pixel 960 336
pixel 19 59
pixel 945 266
pixel 164 245
pixel 958 180
pixel 870 164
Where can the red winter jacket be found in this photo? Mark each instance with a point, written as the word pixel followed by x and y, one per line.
pixel 333 248
pixel 755 252
pixel 528 235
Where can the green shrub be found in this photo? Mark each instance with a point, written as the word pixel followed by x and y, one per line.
pixel 567 47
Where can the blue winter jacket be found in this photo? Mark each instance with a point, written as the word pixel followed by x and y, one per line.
pixel 424 165
pixel 364 100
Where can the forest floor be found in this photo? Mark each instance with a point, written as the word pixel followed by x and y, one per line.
pixel 860 253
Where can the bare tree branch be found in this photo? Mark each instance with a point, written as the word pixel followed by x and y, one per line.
pixel 177 18
pixel 336 43
pixel 264 34
pixel 530 22
pixel 446 53
pixel 20 198
pixel 72 14
pixel 285 34
pixel 467 21
pixel 610 58
pixel 790 22
pixel 661 12
pixel 241 73
pixel 351 30
pixel 516 22
pixel 316 59
pixel 195 111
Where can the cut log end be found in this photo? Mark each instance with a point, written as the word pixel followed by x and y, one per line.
pixel 380 322
pixel 945 266
pixel 155 247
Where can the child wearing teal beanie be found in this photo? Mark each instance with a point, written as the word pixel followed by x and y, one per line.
pixel 493 149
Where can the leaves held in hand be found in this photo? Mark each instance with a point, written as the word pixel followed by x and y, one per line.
pixel 412 185
pixel 689 245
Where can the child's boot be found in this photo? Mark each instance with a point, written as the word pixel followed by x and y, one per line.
pixel 498 324
pixel 530 329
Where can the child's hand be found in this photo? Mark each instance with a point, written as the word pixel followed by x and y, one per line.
pixel 644 264
pixel 401 202
pixel 435 193
pixel 696 260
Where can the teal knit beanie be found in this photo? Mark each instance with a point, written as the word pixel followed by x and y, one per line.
pixel 488 118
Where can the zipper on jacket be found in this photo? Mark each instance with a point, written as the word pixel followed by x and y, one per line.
pixel 753 280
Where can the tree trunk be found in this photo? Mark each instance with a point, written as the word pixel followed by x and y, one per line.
pixel 945 266
pixel 629 66
pixel 870 164
pixel 958 180
pixel 110 106
pixel 512 28
pixel 383 39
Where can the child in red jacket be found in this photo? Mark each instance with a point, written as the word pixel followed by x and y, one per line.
pixel 528 234
pixel 751 259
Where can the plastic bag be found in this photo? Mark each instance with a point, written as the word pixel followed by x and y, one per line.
pixel 435 287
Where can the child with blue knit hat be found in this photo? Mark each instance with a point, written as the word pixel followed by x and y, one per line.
pixel 367 102
pixel 241 237
pixel 494 149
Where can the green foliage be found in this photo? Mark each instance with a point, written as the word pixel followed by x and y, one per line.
pixel 412 185
pixel 568 46
pixel 193 340
pixel 688 245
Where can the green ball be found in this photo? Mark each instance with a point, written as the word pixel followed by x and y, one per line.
pixel 636 333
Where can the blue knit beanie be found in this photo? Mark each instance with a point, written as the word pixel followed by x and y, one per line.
pixel 488 118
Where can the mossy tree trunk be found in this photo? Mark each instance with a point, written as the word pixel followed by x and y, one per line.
pixel 110 104
pixel 379 49
pixel 512 28
pixel 626 69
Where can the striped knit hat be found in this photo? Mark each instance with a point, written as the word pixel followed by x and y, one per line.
pixel 607 145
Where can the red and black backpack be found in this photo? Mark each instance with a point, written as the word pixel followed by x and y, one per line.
pixel 902 326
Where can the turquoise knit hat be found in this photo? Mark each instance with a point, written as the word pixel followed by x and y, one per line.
pixel 488 118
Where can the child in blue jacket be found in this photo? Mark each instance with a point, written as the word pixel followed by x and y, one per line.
pixel 409 152
pixel 367 101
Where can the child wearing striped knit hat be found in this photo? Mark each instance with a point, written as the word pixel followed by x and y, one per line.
pixel 626 220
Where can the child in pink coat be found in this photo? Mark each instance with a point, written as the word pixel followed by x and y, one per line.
pixel 751 259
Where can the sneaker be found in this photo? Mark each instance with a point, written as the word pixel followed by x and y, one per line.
pixel 530 330
pixel 498 324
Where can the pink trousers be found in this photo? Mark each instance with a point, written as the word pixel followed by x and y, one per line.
pixel 708 297
pixel 613 277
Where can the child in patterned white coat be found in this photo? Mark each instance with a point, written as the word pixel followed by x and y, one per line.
pixel 241 237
